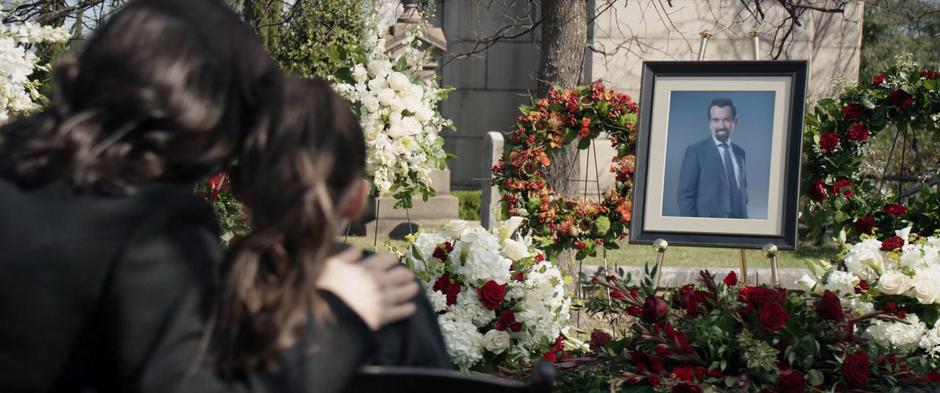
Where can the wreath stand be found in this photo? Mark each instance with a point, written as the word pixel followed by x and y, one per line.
pixel 769 250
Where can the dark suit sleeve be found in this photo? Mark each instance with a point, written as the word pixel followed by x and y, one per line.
pixel 414 342
pixel 158 297
pixel 329 355
pixel 687 192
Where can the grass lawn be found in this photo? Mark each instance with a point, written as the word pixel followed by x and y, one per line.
pixel 635 254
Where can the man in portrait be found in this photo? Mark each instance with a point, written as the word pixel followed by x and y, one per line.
pixel 713 179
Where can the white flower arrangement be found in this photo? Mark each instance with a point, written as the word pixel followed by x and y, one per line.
pixel 499 301
pixel 19 94
pixel 888 277
pixel 398 114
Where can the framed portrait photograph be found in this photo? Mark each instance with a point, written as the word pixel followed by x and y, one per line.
pixel 718 153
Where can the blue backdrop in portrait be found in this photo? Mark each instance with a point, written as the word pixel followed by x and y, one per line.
pixel 688 124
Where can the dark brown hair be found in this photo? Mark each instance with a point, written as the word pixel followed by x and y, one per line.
pixel 289 178
pixel 165 90
pixel 721 103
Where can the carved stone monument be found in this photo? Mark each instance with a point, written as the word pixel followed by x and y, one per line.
pixel 443 207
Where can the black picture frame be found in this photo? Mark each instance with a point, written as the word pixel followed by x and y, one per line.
pixel 786 212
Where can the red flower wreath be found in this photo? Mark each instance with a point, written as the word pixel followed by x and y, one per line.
pixel 565 116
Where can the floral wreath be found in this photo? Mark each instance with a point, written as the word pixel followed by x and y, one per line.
pixel 560 222
pixel 837 135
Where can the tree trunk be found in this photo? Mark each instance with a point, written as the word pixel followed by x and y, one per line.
pixel 564 37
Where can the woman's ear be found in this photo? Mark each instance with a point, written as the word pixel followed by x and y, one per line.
pixel 355 202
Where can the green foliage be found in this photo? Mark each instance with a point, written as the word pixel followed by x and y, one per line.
pixel 892 27
pixel 469 202
pixel 314 30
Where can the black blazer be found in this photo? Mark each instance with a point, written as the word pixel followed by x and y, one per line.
pixel 111 294
pixel 703 189
pixel 99 292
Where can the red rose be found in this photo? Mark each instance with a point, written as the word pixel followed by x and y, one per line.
pixel 692 299
pixel 772 317
pixel 759 296
pixel 790 381
pixel 855 369
pixel 452 291
pixel 515 327
pixel 830 307
pixel 599 338
pixel 559 344
pixel 852 111
pixel 654 309
pixel 858 132
pixel 900 99
pixel 817 191
pixel 731 279
pixel 441 251
pixel 829 142
pixel 842 186
pixel 520 276
pixel 507 317
pixel 492 294
pixel 654 380
pixel 878 80
pixel 686 388
pixel 634 311
pixel 441 283
pixel 714 372
pixel 892 243
pixel 895 210
pixel 549 357
pixel 865 224
pixel 683 373
pixel 862 286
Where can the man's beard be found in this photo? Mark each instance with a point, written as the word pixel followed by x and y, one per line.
pixel 722 134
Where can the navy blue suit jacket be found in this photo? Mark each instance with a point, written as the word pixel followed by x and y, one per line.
pixel 703 189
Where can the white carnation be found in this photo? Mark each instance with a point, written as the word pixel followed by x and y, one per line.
pixel 898 336
pixel 865 259
pixel 841 283
pixel 496 341
pixel 437 299
pixel 930 341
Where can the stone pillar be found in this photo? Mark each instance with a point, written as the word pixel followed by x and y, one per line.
pixel 442 207
pixel 492 152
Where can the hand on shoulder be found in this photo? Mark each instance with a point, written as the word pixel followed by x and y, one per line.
pixel 377 288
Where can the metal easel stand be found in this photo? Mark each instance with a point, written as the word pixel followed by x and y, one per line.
pixel 769 250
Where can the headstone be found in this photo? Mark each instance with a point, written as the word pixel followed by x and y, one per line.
pixel 492 152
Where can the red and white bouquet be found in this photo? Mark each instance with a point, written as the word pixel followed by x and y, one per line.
pixel 500 302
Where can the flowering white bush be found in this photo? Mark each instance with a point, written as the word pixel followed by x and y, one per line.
pixel 499 301
pixel 398 113
pixel 18 94
pixel 898 276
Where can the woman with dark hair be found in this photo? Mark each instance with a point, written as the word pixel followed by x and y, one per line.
pixel 303 180
pixel 108 259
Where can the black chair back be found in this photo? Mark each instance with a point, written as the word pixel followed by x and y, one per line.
pixel 413 379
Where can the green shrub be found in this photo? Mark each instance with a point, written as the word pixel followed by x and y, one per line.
pixel 469 204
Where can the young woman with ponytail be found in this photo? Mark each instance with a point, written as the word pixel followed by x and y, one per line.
pixel 109 261
pixel 302 182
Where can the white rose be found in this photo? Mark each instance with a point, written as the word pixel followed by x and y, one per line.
pixel 515 250
pixel 455 228
pixel 380 68
pixel 398 81
pixel 808 284
pixel 865 259
pixel 359 73
pixel 893 282
pixel 386 97
pixel 375 85
pixel 496 341
pixel 925 287
pixel 411 125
